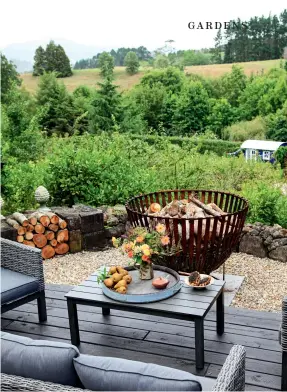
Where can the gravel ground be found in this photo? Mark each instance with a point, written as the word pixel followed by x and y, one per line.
pixel 263 288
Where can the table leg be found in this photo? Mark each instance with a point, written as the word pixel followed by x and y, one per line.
pixel 105 311
pixel 220 314
pixel 199 343
pixel 74 324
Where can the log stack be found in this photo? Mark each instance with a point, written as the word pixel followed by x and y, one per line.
pixel 191 208
pixel 44 230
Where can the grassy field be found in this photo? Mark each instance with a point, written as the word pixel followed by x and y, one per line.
pixel 90 77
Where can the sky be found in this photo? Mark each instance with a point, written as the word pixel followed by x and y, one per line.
pixel 117 23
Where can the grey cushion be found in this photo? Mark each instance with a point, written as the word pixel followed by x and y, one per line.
pixel 40 359
pixel 115 374
pixel 207 384
pixel 15 285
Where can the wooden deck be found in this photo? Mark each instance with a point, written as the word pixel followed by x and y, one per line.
pixel 163 341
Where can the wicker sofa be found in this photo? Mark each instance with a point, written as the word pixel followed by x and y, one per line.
pixel 22 277
pixel 39 365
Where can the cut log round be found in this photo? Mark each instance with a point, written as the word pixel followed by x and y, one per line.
pixel 61 249
pixel 13 223
pixel 63 236
pixel 39 228
pixel 50 235
pixel 20 218
pixel 29 243
pixel 40 240
pixel 21 230
pixel 33 220
pixel 29 235
pixel 42 218
pixel 53 217
pixel 20 238
pixel 53 227
pixel 62 223
pixel 53 242
pixel 48 252
pixel 30 227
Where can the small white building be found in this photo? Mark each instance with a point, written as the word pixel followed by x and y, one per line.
pixel 263 149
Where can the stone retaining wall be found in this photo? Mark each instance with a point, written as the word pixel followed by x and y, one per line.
pixel 264 241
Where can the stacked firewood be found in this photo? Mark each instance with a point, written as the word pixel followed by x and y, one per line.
pixel 44 230
pixel 191 208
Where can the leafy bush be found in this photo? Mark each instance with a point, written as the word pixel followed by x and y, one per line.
pixel 244 130
pixel 266 204
pixel 108 169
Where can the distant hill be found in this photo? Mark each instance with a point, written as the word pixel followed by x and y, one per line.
pixel 24 52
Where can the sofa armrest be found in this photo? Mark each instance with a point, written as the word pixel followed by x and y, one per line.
pixel 232 374
pixel 24 259
pixel 283 331
pixel 17 383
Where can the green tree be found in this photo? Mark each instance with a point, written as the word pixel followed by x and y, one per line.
pixel 9 77
pixel 192 109
pixel 106 64
pixel 161 61
pixel 39 66
pixel 221 115
pixel 57 107
pixel 105 108
pixel 233 85
pixel 132 63
pixel 53 59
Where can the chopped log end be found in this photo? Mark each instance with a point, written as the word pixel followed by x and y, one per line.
pixel 53 242
pixel 39 228
pixel 30 227
pixel 48 252
pixel 62 223
pixel 61 249
pixel 29 235
pixel 20 218
pixel 50 235
pixel 29 243
pixel 53 227
pixel 21 230
pixel 20 238
pixel 45 220
pixel 40 240
pixel 55 219
pixel 63 236
pixel 33 220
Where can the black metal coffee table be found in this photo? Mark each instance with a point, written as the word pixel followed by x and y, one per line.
pixel 188 304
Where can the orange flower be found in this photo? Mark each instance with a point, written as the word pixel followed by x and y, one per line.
pixel 140 239
pixel 160 228
pixel 128 246
pixel 130 253
pixel 164 240
pixel 146 259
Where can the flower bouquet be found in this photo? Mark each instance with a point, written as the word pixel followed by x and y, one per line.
pixel 143 246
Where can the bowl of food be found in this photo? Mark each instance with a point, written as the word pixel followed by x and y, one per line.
pixel 198 281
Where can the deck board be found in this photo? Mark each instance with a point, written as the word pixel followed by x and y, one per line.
pixel 165 341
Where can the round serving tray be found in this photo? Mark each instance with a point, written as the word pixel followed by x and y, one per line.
pixel 142 291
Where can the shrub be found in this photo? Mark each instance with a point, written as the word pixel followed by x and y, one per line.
pixel 266 204
pixel 244 130
pixel 132 63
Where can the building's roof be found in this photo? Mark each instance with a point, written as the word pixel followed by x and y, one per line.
pixel 261 145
